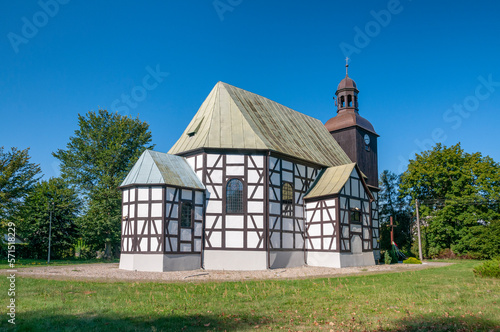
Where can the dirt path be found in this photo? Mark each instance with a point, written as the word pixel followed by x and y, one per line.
pixel 111 273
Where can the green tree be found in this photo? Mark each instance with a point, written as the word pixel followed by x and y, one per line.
pixel 96 160
pixel 392 204
pixel 34 217
pixel 17 177
pixel 458 191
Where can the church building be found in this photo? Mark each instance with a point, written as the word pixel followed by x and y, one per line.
pixel 252 185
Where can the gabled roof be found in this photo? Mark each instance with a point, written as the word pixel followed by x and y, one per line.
pixel 161 168
pixel 332 180
pixel 233 118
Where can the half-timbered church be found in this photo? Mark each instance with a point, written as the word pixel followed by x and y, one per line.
pixel 251 185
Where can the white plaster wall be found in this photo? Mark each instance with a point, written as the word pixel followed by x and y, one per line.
pixel 283 259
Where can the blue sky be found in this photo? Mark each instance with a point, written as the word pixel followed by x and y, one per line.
pixel 427 71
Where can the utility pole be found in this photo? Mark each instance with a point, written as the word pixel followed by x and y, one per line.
pixel 418 232
pixel 51 208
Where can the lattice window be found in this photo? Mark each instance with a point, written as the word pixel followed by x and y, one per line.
pixel 234 196
pixel 287 199
pixel 186 214
pixel 355 215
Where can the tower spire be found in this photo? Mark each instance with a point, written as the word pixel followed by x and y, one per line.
pixel 346 65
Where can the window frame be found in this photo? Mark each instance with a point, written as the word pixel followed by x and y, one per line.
pixel 191 219
pixel 288 203
pixel 226 197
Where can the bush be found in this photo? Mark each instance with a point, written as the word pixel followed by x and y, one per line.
pixel 412 260
pixel 387 257
pixel 488 269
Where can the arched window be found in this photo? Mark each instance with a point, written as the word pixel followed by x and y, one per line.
pixel 342 100
pixel 186 214
pixel 349 100
pixel 287 199
pixel 234 196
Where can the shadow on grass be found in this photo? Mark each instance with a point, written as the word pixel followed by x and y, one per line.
pixel 40 321
pixel 429 323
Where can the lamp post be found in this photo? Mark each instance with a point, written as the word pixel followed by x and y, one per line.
pixel 51 208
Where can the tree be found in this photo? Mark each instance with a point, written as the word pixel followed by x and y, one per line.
pixel 392 204
pixel 17 177
pixel 457 191
pixel 33 218
pixel 96 160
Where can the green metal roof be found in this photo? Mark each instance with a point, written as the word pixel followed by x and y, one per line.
pixel 233 118
pixel 161 168
pixel 330 181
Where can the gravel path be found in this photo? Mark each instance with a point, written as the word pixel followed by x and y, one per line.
pixel 109 272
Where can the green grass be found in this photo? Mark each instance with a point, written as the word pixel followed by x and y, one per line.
pixel 448 298
pixel 55 262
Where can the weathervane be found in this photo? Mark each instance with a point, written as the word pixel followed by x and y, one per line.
pixel 346 65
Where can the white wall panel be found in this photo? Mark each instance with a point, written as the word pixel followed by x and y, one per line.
pixel 274 208
pixel 235 159
pixel 235 171
pixel 174 208
pixel 287 165
pixel 275 240
pixel 173 228
pixel 197 245
pixel 259 222
pixel 216 239
pixel 253 176
pixel 198 213
pixel 255 207
pixel 156 193
pixel 212 159
pixel 185 247
pixel 216 176
pixel 299 240
pixel 252 239
pixel 174 243
pixel 234 239
pixel 197 229
pixel 288 240
pixel 144 244
pixel 210 221
pixel 198 197
pixel 187 194
pixel 287 224
pixel 258 160
pixel 234 221
pixel 170 194
pixel 142 210
pixel 154 243
pixel 186 234
pixel 214 206
pixel 156 209
pixel 314 230
pixel 132 211
pixel 125 196
pixel 191 161
pixel 288 177
pixel 143 194
pixel 272 163
pixel 328 229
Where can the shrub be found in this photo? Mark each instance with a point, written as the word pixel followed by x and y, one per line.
pixel 412 260
pixel 488 269
pixel 387 257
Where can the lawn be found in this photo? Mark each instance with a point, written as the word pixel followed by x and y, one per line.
pixel 446 298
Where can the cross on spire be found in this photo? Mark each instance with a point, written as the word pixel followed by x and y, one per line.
pixel 346 65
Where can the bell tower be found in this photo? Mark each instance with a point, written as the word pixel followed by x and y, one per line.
pixel 355 135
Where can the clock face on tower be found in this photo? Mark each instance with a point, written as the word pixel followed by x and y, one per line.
pixel 367 139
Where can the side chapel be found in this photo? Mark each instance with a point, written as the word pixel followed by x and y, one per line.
pixel 252 185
